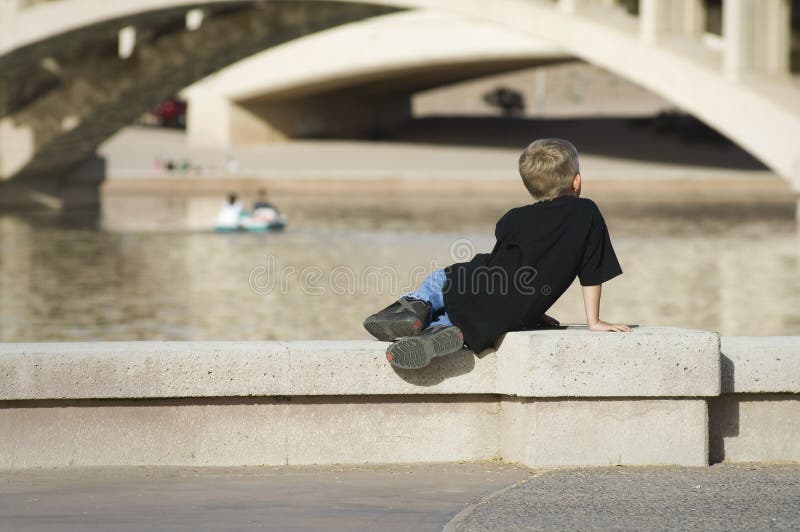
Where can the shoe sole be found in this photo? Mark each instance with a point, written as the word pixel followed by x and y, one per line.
pixel 390 329
pixel 416 352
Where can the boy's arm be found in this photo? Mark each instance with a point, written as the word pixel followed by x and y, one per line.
pixel 591 302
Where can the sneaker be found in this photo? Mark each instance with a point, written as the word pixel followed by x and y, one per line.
pixel 417 351
pixel 404 317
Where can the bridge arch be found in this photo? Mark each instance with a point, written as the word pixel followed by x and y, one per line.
pixel 330 85
pixel 742 86
pixel 62 96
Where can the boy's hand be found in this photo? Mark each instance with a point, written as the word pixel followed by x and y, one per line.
pixel 605 326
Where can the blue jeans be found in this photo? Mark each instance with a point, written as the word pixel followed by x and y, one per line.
pixel 431 291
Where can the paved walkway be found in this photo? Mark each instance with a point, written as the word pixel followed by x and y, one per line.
pixel 388 498
pixel 723 497
pixel 484 496
pixel 483 149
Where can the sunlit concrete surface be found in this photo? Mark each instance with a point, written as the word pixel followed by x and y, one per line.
pixel 755 364
pixel 651 362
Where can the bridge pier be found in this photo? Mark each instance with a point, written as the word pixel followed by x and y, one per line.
pixel 757 37
pixel 660 18
pixel 9 9
pixel 797 211
pixel 208 118
pixel 17 147
pixel 570 6
pixel 16 262
pixel 339 114
pixel 215 120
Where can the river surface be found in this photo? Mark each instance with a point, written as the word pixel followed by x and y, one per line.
pixel 731 267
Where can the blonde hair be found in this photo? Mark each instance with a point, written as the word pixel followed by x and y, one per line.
pixel 548 166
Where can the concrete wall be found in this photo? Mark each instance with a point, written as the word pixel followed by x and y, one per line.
pixel 542 398
pixel 247 431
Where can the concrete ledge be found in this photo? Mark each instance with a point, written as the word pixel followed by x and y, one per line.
pixel 543 398
pixel 133 370
pixel 360 368
pixel 102 370
pixel 760 364
pixel 650 362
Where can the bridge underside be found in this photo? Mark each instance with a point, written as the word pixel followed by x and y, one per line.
pixel 363 109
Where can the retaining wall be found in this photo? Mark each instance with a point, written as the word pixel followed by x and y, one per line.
pixel 542 398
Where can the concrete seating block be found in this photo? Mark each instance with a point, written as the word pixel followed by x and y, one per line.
pixel 760 364
pixel 648 362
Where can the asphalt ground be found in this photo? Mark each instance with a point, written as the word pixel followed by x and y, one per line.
pixel 413 497
pixel 722 497
pixel 469 496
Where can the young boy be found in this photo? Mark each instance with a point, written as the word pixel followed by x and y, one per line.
pixel 541 248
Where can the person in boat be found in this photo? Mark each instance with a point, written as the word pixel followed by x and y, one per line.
pixel 265 211
pixel 230 213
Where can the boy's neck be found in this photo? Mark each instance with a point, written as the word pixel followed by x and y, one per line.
pixel 571 194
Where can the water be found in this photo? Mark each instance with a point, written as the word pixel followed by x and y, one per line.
pixel 730 266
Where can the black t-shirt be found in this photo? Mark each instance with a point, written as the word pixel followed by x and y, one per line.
pixel 540 250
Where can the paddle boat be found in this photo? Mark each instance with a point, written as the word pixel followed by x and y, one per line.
pixel 258 221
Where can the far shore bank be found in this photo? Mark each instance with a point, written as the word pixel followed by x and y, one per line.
pixel 470 162
pixel 145 173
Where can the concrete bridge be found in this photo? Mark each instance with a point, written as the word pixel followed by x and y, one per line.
pixel 74 71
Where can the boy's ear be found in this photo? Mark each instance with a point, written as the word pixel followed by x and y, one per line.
pixel 576 183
